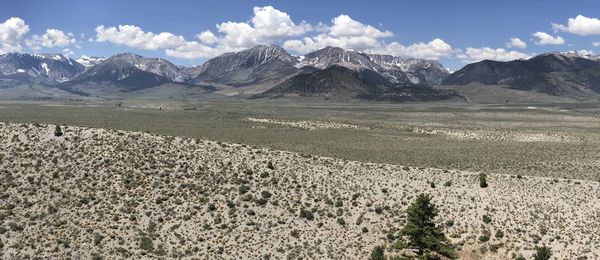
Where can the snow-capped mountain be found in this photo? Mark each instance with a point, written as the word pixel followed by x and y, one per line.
pixel 582 54
pixel 258 65
pixel 329 56
pixel 44 67
pixel 157 66
pixel 395 69
pixel 125 72
pixel 271 64
pixel 256 69
pixel 90 61
pixel 419 71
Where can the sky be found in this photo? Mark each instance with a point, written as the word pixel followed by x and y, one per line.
pixel 190 32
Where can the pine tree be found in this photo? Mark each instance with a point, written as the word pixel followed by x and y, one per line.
pixel 423 235
pixel 377 253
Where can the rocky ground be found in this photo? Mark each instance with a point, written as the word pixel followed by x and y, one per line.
pixel 97 193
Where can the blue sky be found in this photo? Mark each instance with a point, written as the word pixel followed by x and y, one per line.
pixel 453 32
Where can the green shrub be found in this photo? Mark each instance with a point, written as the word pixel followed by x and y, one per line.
pixel 265 194
pixel 483 180
pixel 58 131
pixel 243 189
pixel 542 253
pixel 307 214
pixel 211 207
pixel 262 201
pixel 486 219
pixel 146 243
pixel 499 234
pixel 484 238
pixel 295 233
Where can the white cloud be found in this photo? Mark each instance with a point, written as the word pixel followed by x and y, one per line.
pixel 68 52
pixel 52 38
pixel 516 43
pixel 545 39
pixel 207 37
pixel 270 23
pixel 344 26
pixel 134 36
pixel 582 52
pixel 580 25
pixel 193 50
pixel 433 50
pixel 12 32
pixel 266 26
pixel 271 26
pixel 344 33
pixel 486 53
pixel 596 44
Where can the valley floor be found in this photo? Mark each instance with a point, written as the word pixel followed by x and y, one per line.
pixel 121 194
pixel 549 140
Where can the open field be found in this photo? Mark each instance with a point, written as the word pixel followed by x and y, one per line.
pixel 95 193
pixel 553 140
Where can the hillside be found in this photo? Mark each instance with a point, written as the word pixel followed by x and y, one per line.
pixel 105 193
pixel 341 83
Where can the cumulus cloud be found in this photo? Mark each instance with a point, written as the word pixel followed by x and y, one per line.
pixel 134 36
pixel 580 25
pixel 344 26
pixel 266 26
pixel 52 38
pixel 486 53
pixel 433 50
pixel 193 50
pixel 582 52
pixel 68 52
pixel 12 32
pixel 516 43
pixel 344 32
pixel 271 26
pixel 207 37
pixel 596 44
pixel 546 39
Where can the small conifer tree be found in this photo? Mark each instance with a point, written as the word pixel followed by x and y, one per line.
pixel 423 234
pixel 58 131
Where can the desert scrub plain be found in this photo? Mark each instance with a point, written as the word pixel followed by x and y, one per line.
pixel 548 140
pixel 100 193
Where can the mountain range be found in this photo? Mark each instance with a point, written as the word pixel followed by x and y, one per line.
pixel 268 71
pixel 46 68
pixel 568 74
